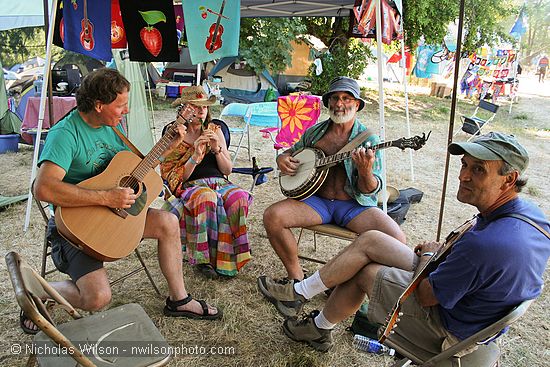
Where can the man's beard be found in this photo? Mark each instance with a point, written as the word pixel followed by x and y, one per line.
pixel 340 118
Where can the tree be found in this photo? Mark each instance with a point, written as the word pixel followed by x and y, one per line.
pixel 265 42
pixel 18 45
pixel 537 38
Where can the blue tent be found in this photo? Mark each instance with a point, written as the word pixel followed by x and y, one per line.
pixel 241 85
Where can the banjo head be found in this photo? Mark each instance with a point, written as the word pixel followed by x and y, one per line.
pixel 293 186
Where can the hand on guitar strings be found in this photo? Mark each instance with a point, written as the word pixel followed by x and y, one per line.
pixel 119 198
pixel 288 165
pixel 363 159
pixel 426 246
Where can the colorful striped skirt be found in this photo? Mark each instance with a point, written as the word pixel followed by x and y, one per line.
pixel 212 214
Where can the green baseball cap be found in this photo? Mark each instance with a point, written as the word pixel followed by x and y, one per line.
pixel 494 146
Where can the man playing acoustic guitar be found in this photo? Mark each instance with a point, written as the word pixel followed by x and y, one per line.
pixel 348 196
pixel 81 146
pixel 494 266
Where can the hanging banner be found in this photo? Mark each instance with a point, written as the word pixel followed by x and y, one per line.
pixel 212 28
pixel 150 30
pixel 85 29
pixel 363 23
pixel 118 34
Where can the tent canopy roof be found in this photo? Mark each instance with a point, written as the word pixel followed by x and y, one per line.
pixel 295 8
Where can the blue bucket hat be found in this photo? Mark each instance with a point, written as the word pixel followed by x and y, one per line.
pixel 344 84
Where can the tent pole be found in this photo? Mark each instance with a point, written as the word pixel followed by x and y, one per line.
pixel 152 128
pixel 199 73
pixel 49 81
pixel 405 85
pixel 381 98
pixel 49 43
pixel 452 117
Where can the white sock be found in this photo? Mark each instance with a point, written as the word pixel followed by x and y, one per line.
pixel 311 286
pixel 322 323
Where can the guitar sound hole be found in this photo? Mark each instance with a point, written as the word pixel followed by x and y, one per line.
pixel 132 183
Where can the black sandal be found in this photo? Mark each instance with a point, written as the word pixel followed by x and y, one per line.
pixel 23 318
pixel 171 309
pixel 207 270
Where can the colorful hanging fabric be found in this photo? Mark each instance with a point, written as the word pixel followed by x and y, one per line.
pixel 118 34
pixel 150 30
pixel 297 113
pixel 212 29
pixel 85 29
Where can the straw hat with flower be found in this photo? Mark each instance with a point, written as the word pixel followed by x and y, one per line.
pixel 196 96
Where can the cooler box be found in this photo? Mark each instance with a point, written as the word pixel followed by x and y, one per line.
pixel 173 90
pixel 9 143
pixel 33 134
pixel 183 86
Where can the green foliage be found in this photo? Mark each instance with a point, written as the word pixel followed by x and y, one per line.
pixel 483 21
pixel 265 42
pixel 349 60
pixel 537 38
pixel 18 45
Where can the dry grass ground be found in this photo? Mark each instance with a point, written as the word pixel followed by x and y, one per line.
pixel 251 325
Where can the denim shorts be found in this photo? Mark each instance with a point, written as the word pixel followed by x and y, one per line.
pixel 67 258
pixel 340 212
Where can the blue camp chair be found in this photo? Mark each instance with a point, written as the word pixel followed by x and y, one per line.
pixel 238 110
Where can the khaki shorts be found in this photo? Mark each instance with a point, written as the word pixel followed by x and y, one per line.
pixel 419 325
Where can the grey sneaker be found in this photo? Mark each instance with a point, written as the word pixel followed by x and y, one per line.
pixel 281 293
pixel 306 331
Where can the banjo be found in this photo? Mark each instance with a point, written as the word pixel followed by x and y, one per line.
pixel 393 317
pixel 314 166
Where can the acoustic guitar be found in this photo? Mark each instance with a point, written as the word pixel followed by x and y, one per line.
pixel 314 166
pixel 431 265
pixel 108 234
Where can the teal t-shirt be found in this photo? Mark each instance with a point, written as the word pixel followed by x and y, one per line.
pixel 81 150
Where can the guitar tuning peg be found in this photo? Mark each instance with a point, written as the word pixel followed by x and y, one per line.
pixel 392 332
pixel 396 321
pixel 400 314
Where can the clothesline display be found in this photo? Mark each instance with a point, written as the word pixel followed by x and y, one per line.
pixel 152 31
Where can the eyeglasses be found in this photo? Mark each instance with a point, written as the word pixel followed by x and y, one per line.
pixel 345 99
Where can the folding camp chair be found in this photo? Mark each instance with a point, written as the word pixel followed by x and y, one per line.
pixel 46 212
pixel 258 174
pixel 473 124
pixel 329 230
pixel 238 110
pixel 102 339
pixel 486 355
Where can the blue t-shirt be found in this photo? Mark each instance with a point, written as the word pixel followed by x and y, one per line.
pixel 494 267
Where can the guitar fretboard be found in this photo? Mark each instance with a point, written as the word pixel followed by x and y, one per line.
pixel 345 155
pixel 148 162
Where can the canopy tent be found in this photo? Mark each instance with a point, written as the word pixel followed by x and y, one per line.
pixel 285 8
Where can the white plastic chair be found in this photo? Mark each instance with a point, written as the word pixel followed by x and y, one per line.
pixel 238 110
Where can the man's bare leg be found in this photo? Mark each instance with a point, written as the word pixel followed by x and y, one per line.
pixel 376 219
pixel 370 247
pixel 278 219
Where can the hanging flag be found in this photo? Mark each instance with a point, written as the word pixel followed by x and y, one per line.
pixel 59 28
pixel 178 12
pixel 150 30
pixel 363 24
pixel 520 26
pixel 212 29
pixel 85 29
pixel 118 34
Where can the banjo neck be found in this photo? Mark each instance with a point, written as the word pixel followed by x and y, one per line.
pixel 335 158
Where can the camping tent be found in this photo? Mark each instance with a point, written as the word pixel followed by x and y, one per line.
pixel 238 84
pixel 9 121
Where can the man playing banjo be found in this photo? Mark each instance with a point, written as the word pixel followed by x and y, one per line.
pixel 494 266
pixel 348 196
